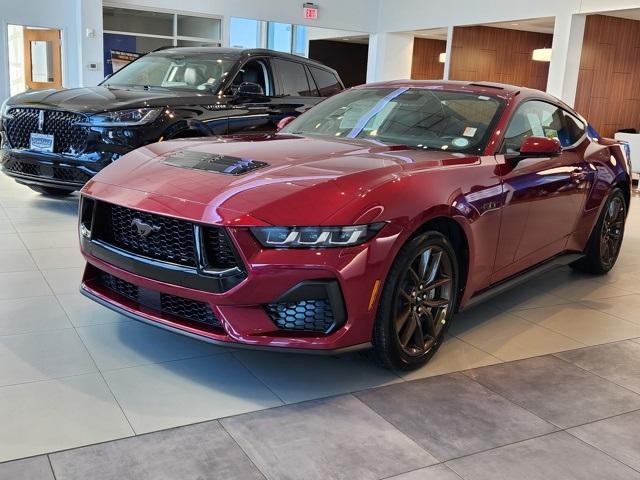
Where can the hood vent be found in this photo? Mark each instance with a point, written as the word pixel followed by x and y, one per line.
pixel 212 162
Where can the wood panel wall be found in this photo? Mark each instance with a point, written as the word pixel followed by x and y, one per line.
pixel 426 59
pixel 499 55
pixel 608 92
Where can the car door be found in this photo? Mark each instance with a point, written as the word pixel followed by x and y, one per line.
pixel 543 195
pixel 297 91
pixel 253 112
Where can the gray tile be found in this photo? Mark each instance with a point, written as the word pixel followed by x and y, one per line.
pixel 36 468
pixel 64 280
pixel 204 451
pixel 617 436
pixel 82 311
pixel 435 472
pixel 66 238
pixel 11 241
pixel 617 362
pixel 36 314
pixel 58 414
pixel 16 261
pixel 336 438
pixel 296 378
pixel 23 285
pixel 129 344
pixel 558 456
pixel 32 357
pixel 451 415
pixel 50 258
pixel 6 226
pixel 187 391
pixel 557 391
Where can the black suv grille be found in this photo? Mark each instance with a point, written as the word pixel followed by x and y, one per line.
pixel 68 136
pixel 305 315
pixel 168 240
pixel 184 308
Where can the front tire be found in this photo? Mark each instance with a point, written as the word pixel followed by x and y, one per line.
pixel 604 244
pixel 51 191
pixel 417 302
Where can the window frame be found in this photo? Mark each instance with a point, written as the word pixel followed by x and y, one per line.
pixel 280 90
pixel 337 78
pixel 236 71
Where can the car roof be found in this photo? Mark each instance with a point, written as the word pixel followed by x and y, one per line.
pixel 482 88
pixel 243 52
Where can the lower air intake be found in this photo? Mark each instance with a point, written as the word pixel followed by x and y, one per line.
pixel 304 315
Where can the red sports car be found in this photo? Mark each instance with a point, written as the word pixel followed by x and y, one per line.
pixel 367 221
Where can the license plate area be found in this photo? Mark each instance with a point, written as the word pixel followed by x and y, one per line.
pixel 41 142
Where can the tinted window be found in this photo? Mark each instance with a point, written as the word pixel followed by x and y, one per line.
pixel 419 118
pixel 535 119
pixel 327 82
pixel 575 128
pixel 293 79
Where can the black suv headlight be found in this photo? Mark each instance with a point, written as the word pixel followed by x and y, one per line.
pixel 124 118
pixel 315 237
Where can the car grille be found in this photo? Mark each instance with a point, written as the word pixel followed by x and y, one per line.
pixel 218 249
pixel 69 138
pixel 58 172
pixel 305 315
pixel 183 308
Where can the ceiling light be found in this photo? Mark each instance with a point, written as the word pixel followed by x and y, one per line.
pixel 442 57
pixel 541 55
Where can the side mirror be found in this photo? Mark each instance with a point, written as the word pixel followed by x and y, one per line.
pixel 248 89
pixel 284 122
pixel 540 147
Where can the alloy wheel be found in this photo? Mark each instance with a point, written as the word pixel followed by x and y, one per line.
pixel 612 228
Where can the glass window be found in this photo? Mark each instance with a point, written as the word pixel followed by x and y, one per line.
pixel 417 118
pixel 293 79
pixel 575 128
pixel 137 21
pixel 199 27
pixel 279 36
pixel 326 81
pixel 300 40
pixel 254 71
pixel 244 33
pixel 537 119
pixel 164 70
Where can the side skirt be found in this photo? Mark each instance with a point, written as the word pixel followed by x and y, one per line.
pixel 527 275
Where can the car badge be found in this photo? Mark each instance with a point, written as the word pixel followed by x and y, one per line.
pixel 144 229
pixel 41 120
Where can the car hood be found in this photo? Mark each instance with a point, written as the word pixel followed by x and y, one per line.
pixel 304 180
pixel 101 99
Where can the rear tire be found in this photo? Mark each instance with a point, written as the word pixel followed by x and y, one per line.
pixel 417 302
pixel 605 241
pixel 51 191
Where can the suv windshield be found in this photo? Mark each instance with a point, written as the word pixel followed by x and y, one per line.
pixel 416 117
pixel 192 71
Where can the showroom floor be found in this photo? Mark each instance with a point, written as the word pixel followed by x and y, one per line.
pixel 74 374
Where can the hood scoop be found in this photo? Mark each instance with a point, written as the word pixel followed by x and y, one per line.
pixel 212 162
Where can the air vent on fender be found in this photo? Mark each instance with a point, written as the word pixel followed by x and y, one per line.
pixel 212 162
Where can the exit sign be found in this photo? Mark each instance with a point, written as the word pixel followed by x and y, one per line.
pixel 309 11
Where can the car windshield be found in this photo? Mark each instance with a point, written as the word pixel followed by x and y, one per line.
pixel 416 117
pixel 180 71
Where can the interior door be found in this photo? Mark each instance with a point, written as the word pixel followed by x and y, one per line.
pixel 543 196
pixel 42 58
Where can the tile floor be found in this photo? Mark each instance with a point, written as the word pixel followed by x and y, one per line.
pixel 75 377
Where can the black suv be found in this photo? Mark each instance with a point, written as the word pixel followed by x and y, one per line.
pixel 55 141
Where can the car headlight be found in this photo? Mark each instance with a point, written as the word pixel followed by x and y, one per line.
pixel 315 237
pixel 125 118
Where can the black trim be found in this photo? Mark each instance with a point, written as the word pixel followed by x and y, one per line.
pixel 140 318
pixel 520 278
pixel 162 271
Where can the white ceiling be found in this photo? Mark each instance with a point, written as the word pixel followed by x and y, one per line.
pixel 540 25
pixel 630 14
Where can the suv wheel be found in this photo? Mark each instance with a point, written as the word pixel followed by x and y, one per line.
pixel 417 302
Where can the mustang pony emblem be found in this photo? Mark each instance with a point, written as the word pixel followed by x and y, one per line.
pixel 144 229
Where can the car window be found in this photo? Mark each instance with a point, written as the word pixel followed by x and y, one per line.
pixel 575 128
pixel 535 119
pixel 416 117
pixel 293 79
pixel 254 71
pixel 326 81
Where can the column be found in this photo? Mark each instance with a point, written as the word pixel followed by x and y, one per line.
pixel 390 56
pixel 564 68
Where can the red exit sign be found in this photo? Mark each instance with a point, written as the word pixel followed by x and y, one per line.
pixel 309 11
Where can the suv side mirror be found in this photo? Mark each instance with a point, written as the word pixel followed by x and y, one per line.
pixel 248 89
pixel 284 122
pixel 540 147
